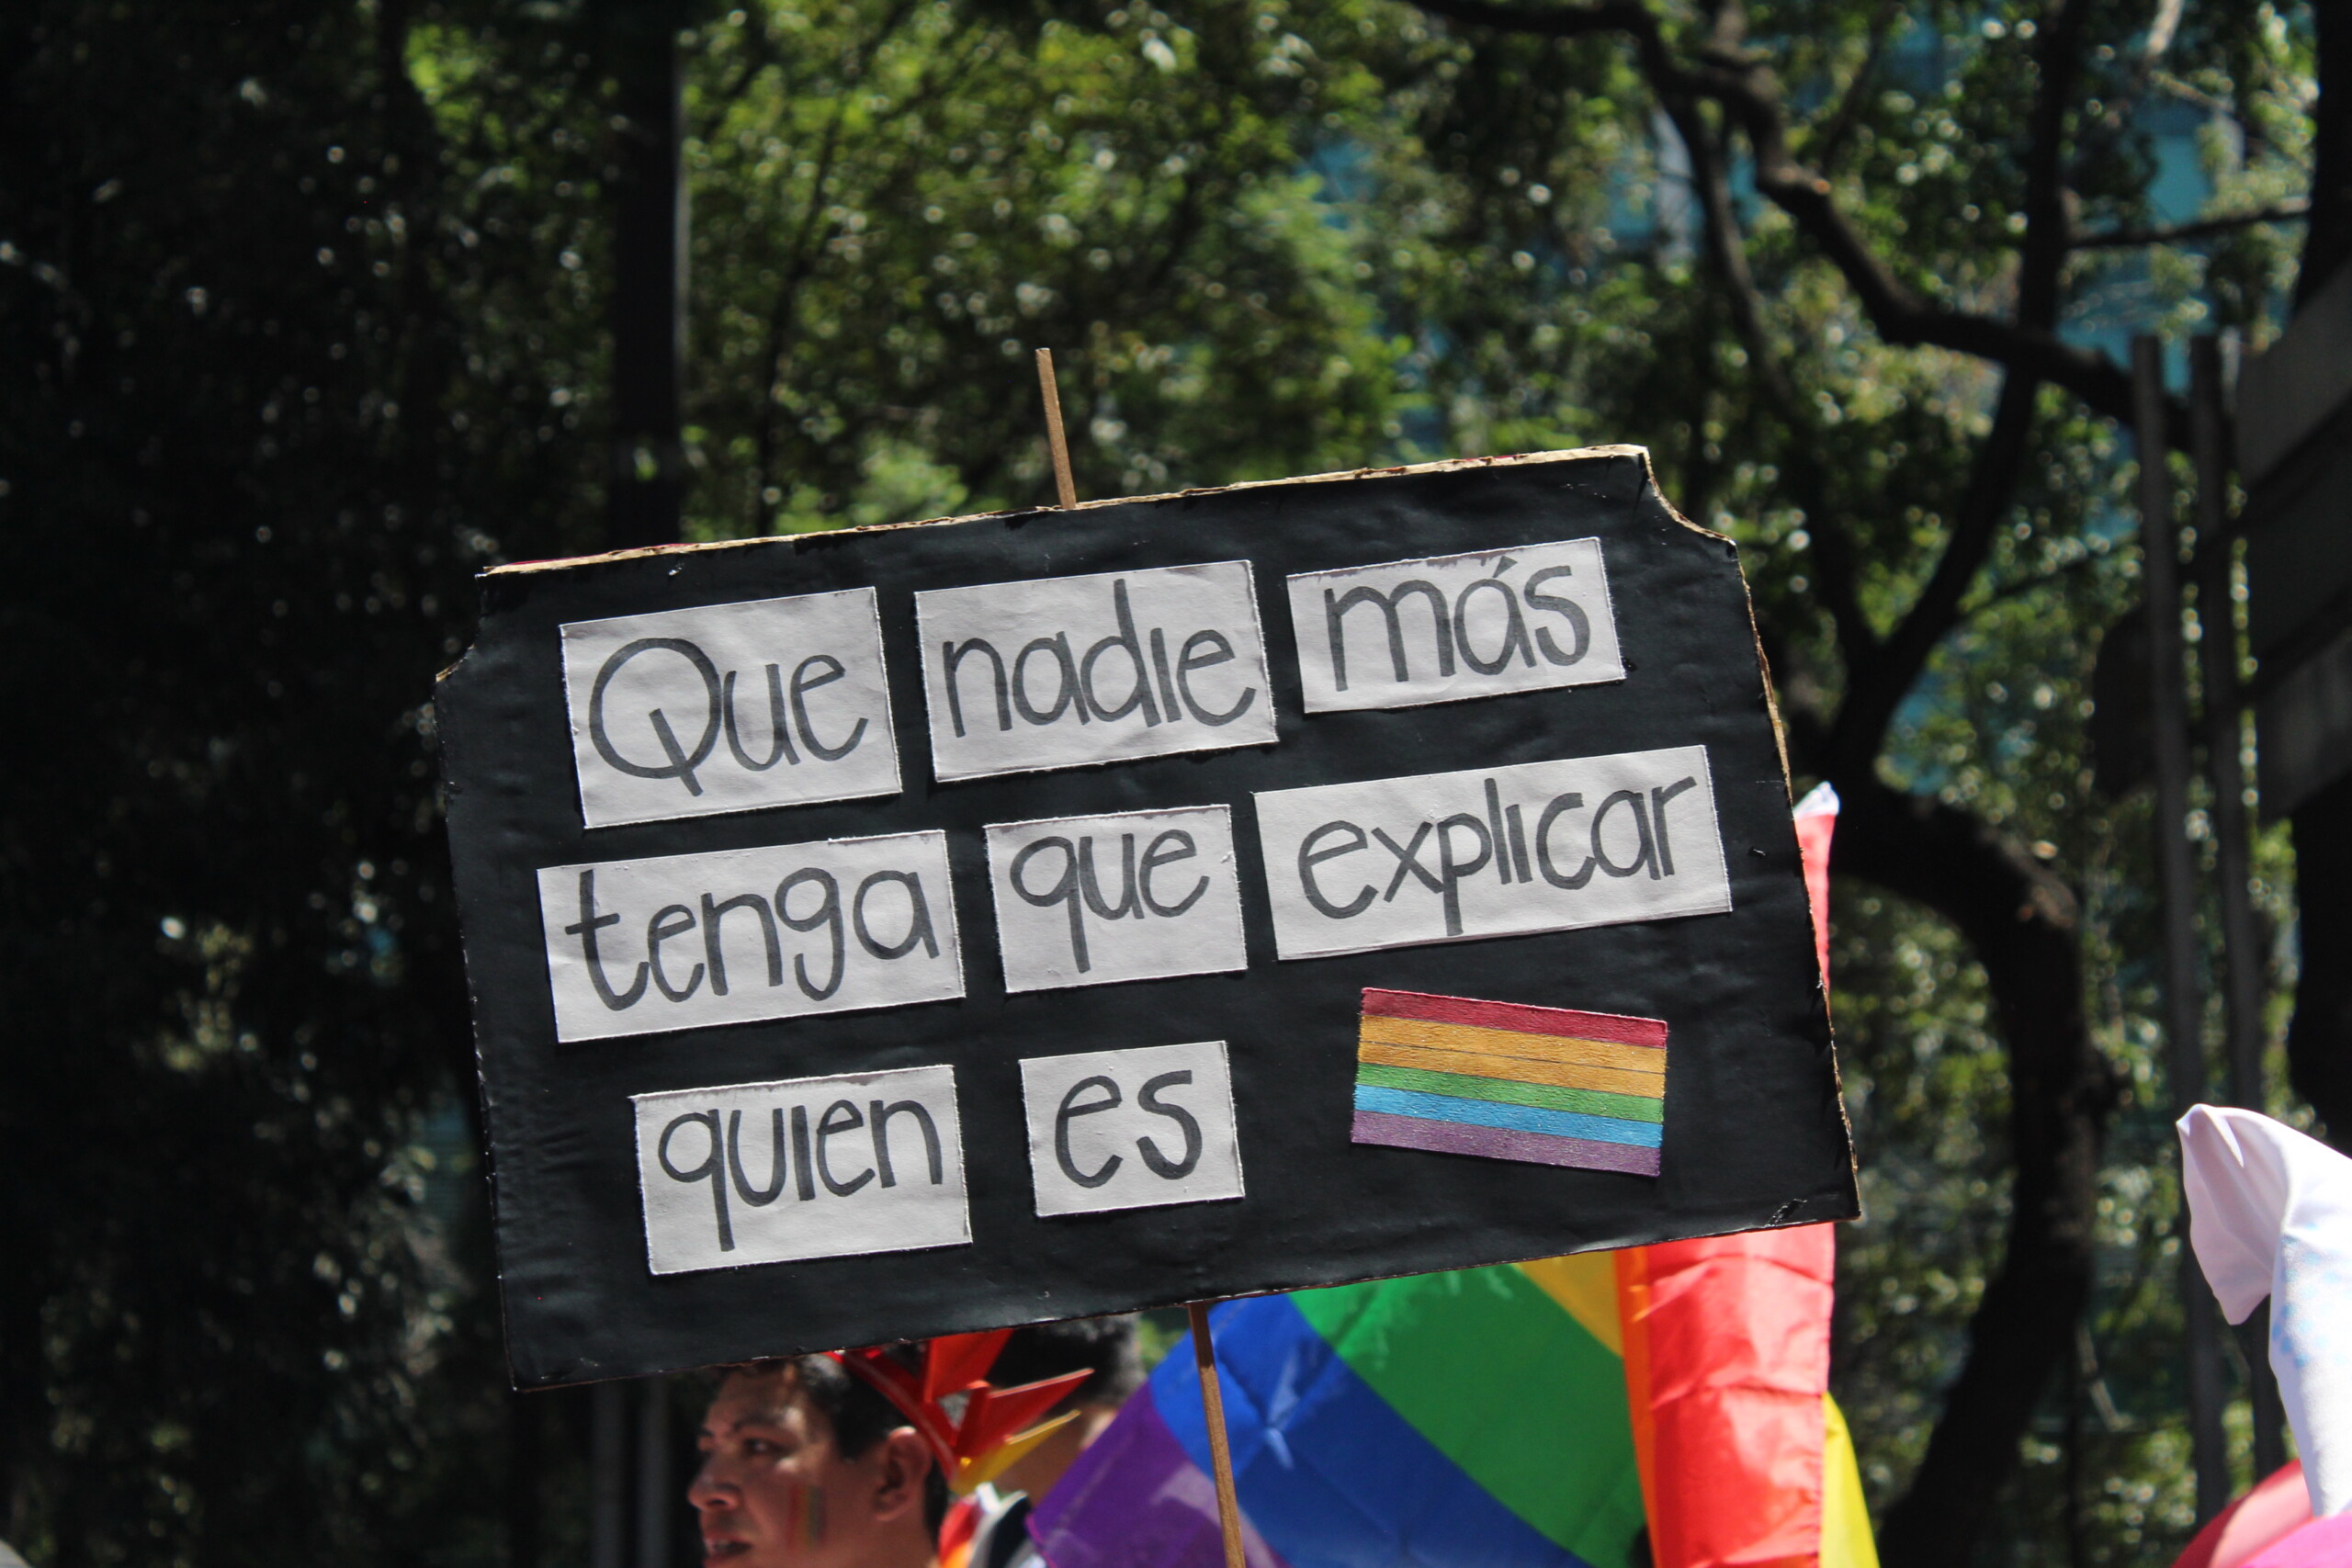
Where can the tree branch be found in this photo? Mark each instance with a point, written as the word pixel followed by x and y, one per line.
pixel 2290 211
pixel 2020 921
pixel 1743 85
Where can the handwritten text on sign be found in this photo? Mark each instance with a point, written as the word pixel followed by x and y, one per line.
pixel 635 947
pixel 1133 1129
pixel 1090 900
pixel 1061 671
pixel 1492 852
pixel 813 1167
pixel 1453 627
pixel 729 708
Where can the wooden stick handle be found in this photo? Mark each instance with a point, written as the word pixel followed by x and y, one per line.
pixel 1228 1506
pixel 1055 439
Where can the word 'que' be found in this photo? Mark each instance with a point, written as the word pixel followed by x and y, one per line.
pixel 1136 895
pixel 682 942
pixel 729 708
pixel 1132 1129
pixel 1453 627
pixel 809 1167
pixel 1061 671
pixel 1492 852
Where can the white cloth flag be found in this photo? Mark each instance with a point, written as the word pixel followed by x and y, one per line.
pixel 2270 1215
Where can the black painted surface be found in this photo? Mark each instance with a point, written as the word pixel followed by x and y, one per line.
pixel 1754 1133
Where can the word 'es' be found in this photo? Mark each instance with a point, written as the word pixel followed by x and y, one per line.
pixel 1093 900
pixel 729 708
pixel 1058 672
pixel 635 947
pixel 810 1168
pixel 1453 627
pixel 1131 1129
pixel 1539 847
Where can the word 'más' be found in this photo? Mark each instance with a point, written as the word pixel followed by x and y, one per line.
pixel 1089 900
pixel 1492 852
pixel 811 1167
pixel 683 941
pixel 1061 671
pixel 1453 627
pixel 729 708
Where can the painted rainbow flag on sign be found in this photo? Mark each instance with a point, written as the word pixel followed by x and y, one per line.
pixel 1502 1080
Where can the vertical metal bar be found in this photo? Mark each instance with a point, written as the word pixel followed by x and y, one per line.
pixel 523 1446
pixel 1228 1502
pixel 645 484
pixel 2234 860
pixel 2176 872
pixel 653 1500
pixel 608 1461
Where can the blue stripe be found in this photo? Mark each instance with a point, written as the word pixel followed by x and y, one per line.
pixel 1329 1474
pixel 1517 1118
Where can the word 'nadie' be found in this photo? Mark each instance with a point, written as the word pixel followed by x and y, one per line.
pixel 1058 672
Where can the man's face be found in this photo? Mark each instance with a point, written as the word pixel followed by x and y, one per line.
pixel 775 1491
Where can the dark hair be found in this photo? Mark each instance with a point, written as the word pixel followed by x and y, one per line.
pixel 1103 1346
pixel 859 1417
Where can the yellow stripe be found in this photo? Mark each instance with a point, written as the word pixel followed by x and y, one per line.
pixel 1566 1074
pixel 1845 1518
pixel 1512 1043
pixel 1585 1285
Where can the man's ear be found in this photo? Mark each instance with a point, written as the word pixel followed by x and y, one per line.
pixel 905 1464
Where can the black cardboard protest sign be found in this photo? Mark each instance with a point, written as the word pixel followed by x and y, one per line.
pixel 905 930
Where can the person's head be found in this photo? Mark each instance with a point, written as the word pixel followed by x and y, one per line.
pixel 1103 1346
pixel 804 1466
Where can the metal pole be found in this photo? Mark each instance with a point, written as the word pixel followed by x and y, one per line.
pixel 523 1434
pixel 2233 861
pixel 645 484
pixel 653 1474
pixel 608 1464
pixel 2176 872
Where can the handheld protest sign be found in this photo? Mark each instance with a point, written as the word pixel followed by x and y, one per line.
pixel 1055 913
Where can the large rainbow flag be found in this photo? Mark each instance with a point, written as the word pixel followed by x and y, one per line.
pixel 1482 1419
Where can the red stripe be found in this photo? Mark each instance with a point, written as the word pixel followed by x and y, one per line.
pixel 1565 1022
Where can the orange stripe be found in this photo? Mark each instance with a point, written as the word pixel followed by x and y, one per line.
pixel 1510 1042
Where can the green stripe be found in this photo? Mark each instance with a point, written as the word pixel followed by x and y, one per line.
pixel 1507 1386
pixel 1510 1091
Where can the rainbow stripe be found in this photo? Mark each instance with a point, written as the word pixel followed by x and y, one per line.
pixel 1469 1420
pixel 1502 1080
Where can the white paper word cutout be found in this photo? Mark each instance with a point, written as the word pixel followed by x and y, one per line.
pixel 636 946
pixel 1132 1129
pixel 1492 852
pixel 1092 900
pixel 1452 627
pixel 729 708
pixel 1060 671
pixel 809 1167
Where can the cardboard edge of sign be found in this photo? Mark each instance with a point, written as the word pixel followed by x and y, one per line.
pixel 1406 471
pixel 1818 1208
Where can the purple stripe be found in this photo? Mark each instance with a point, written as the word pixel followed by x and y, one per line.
pixel 1135 1499
pixel 1502 1143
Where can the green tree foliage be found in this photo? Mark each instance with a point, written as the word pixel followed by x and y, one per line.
pixel 303 313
